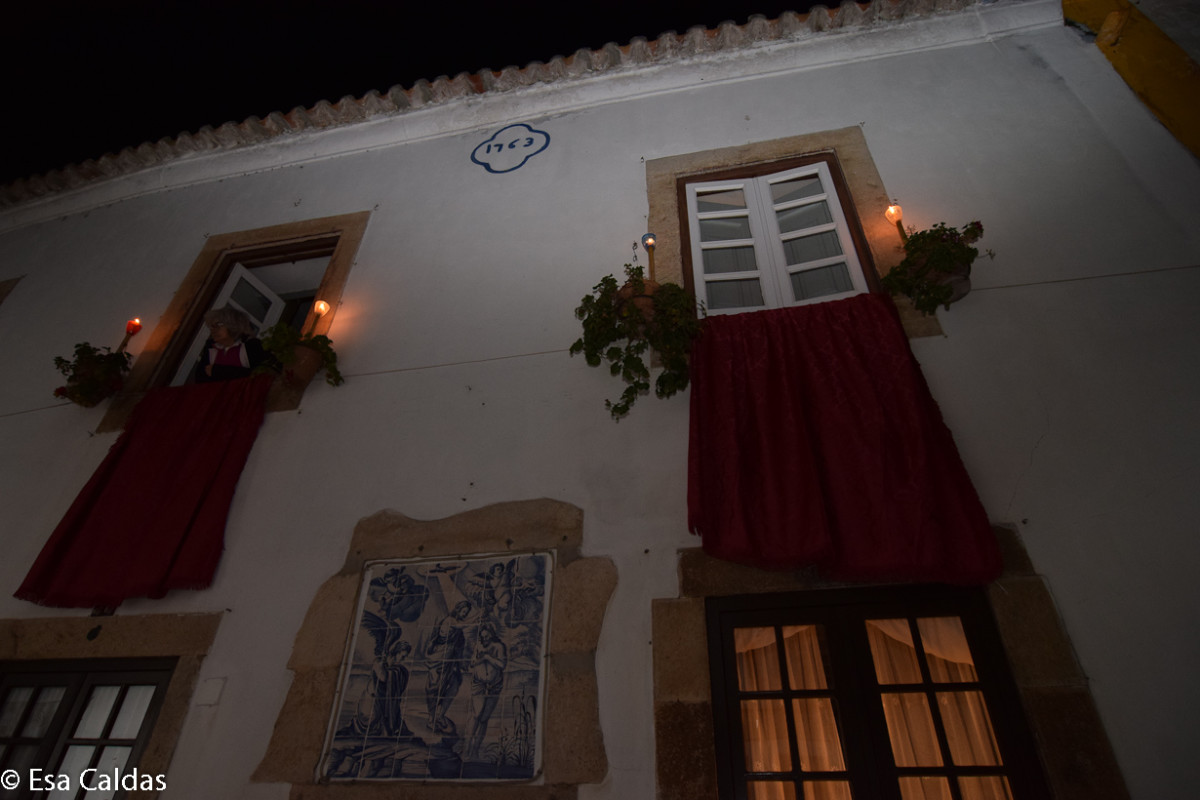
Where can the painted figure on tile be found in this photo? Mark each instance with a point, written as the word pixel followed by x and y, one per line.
pixel 426 627
pixel 381 737
pixel 487 681
pixel 399 597
pixel 492 590
pixel 379 710
pixel 447 651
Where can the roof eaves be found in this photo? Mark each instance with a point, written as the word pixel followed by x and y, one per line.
pixel 697 41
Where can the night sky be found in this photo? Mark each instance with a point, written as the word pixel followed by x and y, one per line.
pixel 85 78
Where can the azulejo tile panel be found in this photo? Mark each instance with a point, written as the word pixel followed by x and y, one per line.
pixel 444 672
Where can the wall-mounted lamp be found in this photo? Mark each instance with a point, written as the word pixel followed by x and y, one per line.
pixel 895 215
pixel 131 329
pixel 649 241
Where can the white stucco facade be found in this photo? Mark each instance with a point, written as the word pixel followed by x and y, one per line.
pixel 1067 377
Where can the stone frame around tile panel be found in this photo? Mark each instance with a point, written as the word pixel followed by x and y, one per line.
pixel 574 752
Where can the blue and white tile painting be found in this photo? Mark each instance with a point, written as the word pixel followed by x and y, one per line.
pixel 443 678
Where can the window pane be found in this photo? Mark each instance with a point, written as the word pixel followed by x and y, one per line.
pixel 821 281
pixel 811 248
pixel 764 728
pixel 770 790
pixel 893 651
pixel 43 710
pixel 111 758
pixel 795 189
pixel 757 659
pixel 968 729
pixel 800 217
pixel 827 790
pixel 910 728
pixel 251 300
pixel 133 711
pixel 802 645
pixel 74 762
pixel 926 787
pixel 724 228
pixel 14 705
pixel 946 650
pixel 817 736
pixel 986 787
pixel 734 294
pixel 22 758
pixel 91 722
pixel 720 201
pixel 729 259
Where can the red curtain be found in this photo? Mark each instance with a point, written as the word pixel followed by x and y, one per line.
pixel 815 441
pixel 152 517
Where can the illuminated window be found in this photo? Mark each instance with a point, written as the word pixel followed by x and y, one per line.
pixel 890 693
pixel 64 718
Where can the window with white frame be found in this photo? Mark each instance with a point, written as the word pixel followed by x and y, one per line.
pixel 290 264
pixel 265 294
pixel 771 241
pixel 65 726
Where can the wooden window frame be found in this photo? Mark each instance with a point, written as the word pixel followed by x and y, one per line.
pixel 870 766
pixel 338 237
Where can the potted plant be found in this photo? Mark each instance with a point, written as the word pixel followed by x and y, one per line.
pixel 93 375
pixel 301 356
pixel 624 324
pixel 936 270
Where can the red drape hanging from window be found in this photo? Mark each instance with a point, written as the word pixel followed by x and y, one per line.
pixel 152 517
pixel 815 440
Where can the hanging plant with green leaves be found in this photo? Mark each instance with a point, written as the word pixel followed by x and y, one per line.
pixel 936 270
pixel 95 374
pixel 625 324
pixel 281 340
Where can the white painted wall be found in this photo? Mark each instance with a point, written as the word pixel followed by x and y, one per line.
pixel 1068 377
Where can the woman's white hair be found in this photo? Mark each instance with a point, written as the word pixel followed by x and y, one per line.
pixel 235 321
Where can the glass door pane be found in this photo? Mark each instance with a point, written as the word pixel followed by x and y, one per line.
pixel 765 734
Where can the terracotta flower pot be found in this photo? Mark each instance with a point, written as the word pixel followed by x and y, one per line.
pixel 300 372
pixel 643 302
pixel 288 389
pixel 959 281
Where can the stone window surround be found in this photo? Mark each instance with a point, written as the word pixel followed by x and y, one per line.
pixel 572 743
pixel 665 179
pixel 339 236
pixel 1076 755
pixel 186 637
